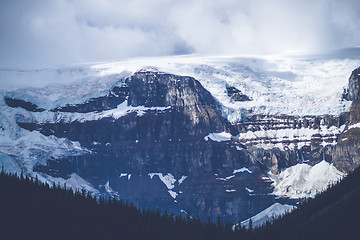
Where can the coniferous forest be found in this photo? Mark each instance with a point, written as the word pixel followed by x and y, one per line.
pixel 33 210
pixel 333 214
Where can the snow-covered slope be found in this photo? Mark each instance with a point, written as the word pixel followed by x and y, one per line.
pixel 273 211
pixel 276 84
pixel 303 180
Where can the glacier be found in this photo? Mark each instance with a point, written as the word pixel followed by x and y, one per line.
pixel 276 84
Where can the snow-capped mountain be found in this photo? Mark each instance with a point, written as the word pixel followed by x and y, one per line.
pixel 197 135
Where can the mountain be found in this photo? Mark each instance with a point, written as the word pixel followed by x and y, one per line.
pixel 199 136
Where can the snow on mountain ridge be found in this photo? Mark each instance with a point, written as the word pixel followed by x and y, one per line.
pixel 116 113
pixel 277 85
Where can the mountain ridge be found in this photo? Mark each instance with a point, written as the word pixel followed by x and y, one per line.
pixel 152 123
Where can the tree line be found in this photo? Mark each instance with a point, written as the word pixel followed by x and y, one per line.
pixel 30 209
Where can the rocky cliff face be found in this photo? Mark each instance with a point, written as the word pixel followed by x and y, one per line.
pixel 346 154
pixel 354 85
pixel 136 154
pixel 160 141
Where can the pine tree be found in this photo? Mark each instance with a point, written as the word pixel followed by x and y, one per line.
pixel 218 221
pixel 250 225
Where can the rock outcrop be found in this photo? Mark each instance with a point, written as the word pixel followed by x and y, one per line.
pixel 354 85
pixel 236 95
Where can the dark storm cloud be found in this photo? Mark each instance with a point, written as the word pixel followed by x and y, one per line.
pixel 44 33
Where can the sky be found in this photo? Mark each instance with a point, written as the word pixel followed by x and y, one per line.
pixel 42 33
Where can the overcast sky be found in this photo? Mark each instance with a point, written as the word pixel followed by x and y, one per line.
pixel 39 33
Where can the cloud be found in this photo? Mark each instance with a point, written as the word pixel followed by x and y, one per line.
pixel 46 33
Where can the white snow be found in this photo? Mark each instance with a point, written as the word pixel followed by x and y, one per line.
pixel 357 125
pixel 279 138
pixel 277 84
pixel 249 190
pixel 123 175
pixel 109 190
pixel 303 180
pixel 187 214
pixel 230 190
pixel 182 179
pixel 219 137
pixel 226 178
pixel 107 187
pixel 127 175
pixel 274 210
pixel 243 169
pixel 54 117
pixel 31 148
pixel 75 182
pixel 167 179
pixel 172 194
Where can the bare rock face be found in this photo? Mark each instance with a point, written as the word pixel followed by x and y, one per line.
pixel 183 94
pixel 116 96
pixel 354 85
pixel 236 95
pixel 346 153
pixel 355 112
pixel 18 103
pixel 170 142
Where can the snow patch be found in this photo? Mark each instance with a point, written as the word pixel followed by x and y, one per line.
pixel 357 125
pixel 167 179
pixel 107 187
pixel 173 194
pixel 218 137
pixel 75 182
pixel 109 190
pixel 123 175
pixel 303 180
pixel 116 113
pixel 33 148
pixel 230 190
pixel 273 211
pixel 249 190
pixel 182 179
pixel 243 169
pixel 226 178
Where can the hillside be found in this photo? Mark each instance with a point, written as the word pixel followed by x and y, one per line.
pixel 32 210
pixel 333 214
